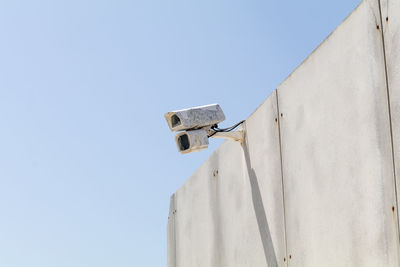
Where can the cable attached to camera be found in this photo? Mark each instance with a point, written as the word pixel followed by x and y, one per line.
pixel 224 130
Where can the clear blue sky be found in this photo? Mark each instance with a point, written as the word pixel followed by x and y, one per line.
pixel 87 162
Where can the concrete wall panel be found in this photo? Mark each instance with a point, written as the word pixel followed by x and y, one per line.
pixel 391 29
pixel 262 155
pixel 336 150
pixel 215 219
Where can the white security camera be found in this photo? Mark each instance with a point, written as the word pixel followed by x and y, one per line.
pixel 194 118
pixel 191 141
pixel 197 125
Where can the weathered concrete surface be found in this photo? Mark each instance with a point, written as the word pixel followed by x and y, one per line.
pixel 336 150
pixel 215 219
pixel 391 33
pixel 262 154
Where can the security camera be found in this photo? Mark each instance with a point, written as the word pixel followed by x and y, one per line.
pixel 191 141
pixel 194 118
pixel 197 125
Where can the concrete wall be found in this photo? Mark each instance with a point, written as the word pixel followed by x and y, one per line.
pixel 316 182
pixel 390 10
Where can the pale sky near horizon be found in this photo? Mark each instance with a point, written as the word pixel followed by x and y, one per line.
pixel 87 161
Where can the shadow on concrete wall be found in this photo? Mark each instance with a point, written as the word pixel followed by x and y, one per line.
pixel 258 205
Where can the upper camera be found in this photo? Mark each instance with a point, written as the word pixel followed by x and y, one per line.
pixel 194 118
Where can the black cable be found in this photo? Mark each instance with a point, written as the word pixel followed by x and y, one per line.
pixel 219 130
pixel 212 134
pixel 215 127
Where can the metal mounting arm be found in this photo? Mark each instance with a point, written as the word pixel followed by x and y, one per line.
pixel 237 136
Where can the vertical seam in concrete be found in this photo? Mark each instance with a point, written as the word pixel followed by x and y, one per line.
pixel 390 117
pixel 283 186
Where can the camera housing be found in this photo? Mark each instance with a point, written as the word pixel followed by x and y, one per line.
pixel 194 118
pixel 191 141
pixel 197 124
